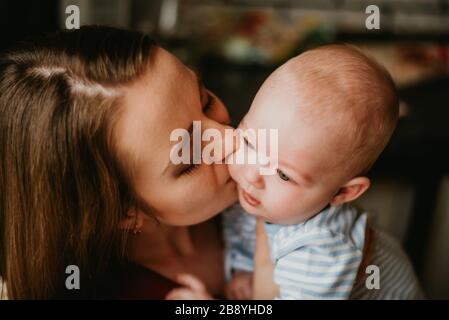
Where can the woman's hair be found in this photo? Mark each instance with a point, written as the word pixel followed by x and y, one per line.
pixel 62 193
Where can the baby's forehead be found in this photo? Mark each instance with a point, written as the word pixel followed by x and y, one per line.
pixel 330 64
pixel 307 110
pixel 326 88
pixel 296 99
pixel 292 87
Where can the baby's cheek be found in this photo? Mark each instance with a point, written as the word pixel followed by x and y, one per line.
pixel 276 202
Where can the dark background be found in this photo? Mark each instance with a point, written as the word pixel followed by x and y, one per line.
pixel 410 181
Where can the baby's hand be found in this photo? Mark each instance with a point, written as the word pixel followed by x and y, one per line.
pixel 240 287
pixel 193 289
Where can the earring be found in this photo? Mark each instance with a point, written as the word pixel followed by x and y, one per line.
pixel 136 229
pixel 156 220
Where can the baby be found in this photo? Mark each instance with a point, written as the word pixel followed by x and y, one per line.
pixel 335 110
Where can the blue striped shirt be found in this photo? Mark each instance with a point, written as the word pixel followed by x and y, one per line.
pixel 320 258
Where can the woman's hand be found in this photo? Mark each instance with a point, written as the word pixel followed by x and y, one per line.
pixel 193 289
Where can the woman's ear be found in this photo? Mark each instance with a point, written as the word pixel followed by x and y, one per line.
pixel 351 190
pixel 133 221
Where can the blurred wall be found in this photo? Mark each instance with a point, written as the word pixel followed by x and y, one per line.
pixel 436 275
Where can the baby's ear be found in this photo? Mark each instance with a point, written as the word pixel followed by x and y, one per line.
pixel 351 190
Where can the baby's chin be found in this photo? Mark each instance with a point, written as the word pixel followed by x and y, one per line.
pixel 248 209
pixel 257 213
pixel 252 210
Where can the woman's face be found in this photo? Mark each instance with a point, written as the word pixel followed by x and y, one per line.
pixel 168 97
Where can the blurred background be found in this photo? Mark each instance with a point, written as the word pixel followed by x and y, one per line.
pixel 235 45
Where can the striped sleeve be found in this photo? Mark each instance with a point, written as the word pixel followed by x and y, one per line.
pixel 239 231
pixel 320 266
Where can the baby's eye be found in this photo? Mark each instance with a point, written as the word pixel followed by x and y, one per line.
pixel 282 175
pixel 248 143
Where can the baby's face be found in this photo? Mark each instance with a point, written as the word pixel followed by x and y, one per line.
pixel 305 180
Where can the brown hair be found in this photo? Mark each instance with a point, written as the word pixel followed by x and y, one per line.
pixel 62 194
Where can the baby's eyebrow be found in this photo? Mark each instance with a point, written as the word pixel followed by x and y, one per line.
pixel 202 90
pixel 306 178
pixel 303 176
pixel 243 122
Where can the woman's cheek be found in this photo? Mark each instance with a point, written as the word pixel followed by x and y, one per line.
pixel 172 198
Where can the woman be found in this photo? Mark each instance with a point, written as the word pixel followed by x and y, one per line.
pixel 85 176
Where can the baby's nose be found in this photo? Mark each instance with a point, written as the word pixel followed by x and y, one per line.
pixel 253 177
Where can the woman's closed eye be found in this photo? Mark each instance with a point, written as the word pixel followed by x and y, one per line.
pixel 210 101
pixel 188 169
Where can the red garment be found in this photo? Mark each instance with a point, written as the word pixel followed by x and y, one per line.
pixel 141 283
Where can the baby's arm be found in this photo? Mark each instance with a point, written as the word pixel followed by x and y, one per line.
pixel 239 237
pixel 193 289
pixel 260 283
pixel 264 287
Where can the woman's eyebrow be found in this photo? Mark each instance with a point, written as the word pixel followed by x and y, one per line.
pixel 200 84
pixel 198 79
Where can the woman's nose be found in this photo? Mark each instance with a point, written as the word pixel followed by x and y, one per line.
pixel 231 142
pixel 228 141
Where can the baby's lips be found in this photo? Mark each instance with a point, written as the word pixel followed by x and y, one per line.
pixel 250 199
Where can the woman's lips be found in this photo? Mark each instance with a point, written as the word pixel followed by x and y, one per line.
pixel 248 198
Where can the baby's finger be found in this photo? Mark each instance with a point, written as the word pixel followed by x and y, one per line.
pixel 229 294
pixel 232 293
pixel 245 289
pixel 237 291
pixel 241 292
pixel 180 294
pixel 248 291
pixel 192 282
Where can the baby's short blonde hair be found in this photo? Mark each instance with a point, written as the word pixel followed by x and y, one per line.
pixel 355 93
